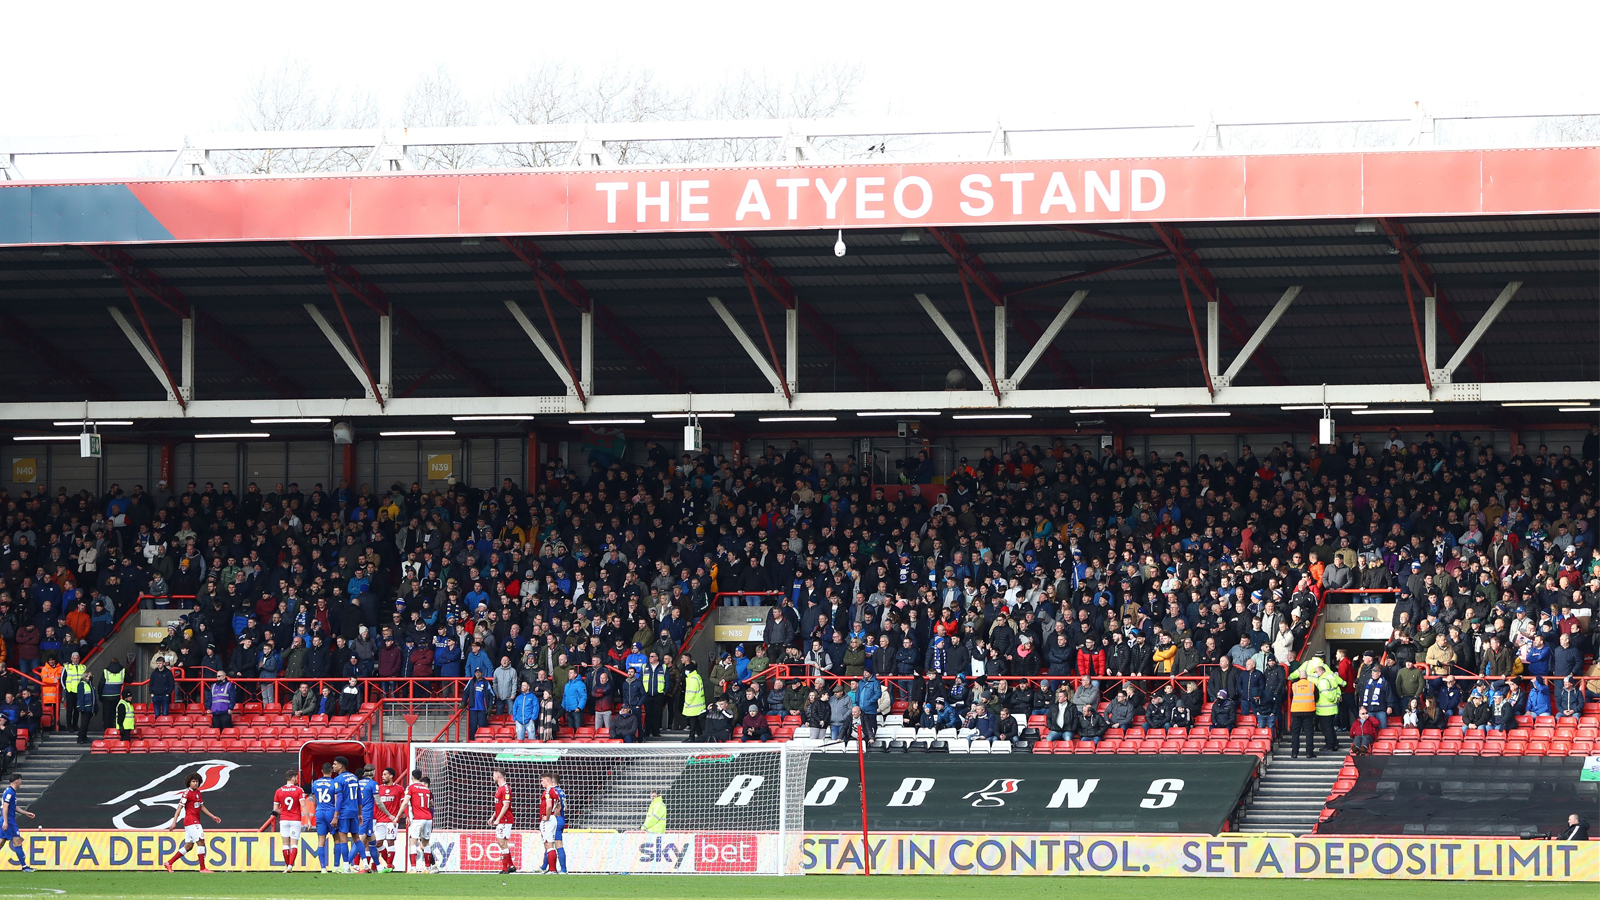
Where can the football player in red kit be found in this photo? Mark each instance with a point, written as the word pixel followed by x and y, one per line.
pixel 191 805
pixel 502 821
pixel 386 817
pixel 286 804
pixel 419 808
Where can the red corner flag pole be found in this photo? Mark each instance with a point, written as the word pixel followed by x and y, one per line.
pixel 861 759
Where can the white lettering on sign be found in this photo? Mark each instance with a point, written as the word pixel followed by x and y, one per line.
pixel 1056 193
pixel 1164 793
pixel 740 790
pixel 925 191
pixel 754 201
pixel 1076 796
pixel 611 188
pixel 1015 179
pixel 793 185
pixel 1093 186
pixel 1158 191
pixel 912 792
pixel 826 790
pixel 831 198
pixel 688 200
pixel 864 196
pixel 661 201
pixel 969 186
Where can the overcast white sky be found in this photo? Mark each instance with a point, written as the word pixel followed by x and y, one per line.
pixel 94 68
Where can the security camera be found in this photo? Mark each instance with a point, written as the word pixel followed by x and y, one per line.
pixel 838 246
pixel 902 429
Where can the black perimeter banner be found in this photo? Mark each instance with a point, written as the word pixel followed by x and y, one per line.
pixel 1478 796
pixel 139 792
pixel 1026 793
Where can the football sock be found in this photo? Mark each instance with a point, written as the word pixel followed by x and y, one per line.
pixel 561 857
pixel 358 849
pixel 21 860
pixel 550 860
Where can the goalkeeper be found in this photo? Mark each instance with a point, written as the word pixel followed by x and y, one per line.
pixel 655 818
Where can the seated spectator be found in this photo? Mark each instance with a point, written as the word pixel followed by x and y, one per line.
pixel 754 725
pixel 625 724
pixel 1568 700
pixel 1412 717
pixel 1091 724
pixel 1225 711
pixel 304 703
pixel 1476 715
pixel 1120 712
pixel 1061 720
pixel 1539 702
pixel 1433 718
pixel 1362 732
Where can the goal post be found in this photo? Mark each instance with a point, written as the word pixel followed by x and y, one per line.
pixel 730 808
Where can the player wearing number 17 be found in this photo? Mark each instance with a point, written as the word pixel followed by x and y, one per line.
pixel 190 806
pixel 502 821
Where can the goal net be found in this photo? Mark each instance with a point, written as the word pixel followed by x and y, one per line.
pixel 730 808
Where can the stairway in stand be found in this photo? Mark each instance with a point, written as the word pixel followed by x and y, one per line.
pixel 47 761
pixel 1292 794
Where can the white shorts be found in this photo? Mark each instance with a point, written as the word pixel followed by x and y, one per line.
pixel 289 828
pixel 383 832
pixel 547 830
pixel 194 834
pixel 503 831
pixel 421 829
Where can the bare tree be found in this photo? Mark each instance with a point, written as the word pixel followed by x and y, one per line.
pixel 286 100
pixel 557 94
pixel 436 101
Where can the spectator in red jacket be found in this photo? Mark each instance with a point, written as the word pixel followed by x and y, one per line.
pixel 1363 731
pixel 1091 659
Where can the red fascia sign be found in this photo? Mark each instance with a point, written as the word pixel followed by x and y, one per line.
pixel 1416 183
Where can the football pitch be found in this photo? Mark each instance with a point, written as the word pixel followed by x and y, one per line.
pixel 297 886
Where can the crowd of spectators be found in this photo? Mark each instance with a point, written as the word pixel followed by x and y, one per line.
pixel 1045 580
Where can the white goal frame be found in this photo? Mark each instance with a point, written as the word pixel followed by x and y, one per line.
pixel 699 840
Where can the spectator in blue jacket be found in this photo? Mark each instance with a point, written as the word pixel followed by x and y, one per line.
pixel 525 713
pixel 1449 696
pixel 574 697
pixel 476 699
pixel 1539 700
pixel 868 694
pixel 1538 658
pixel 447 660
pixel 478 662
pixel 636 660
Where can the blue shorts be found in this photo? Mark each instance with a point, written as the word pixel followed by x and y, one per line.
pixel 349 824
pixel 7 835
pixel 561 827
pixel 366 824
pixel 324 822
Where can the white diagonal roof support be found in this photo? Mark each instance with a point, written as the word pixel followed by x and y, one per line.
pixel 545 349
pixel 145 352
pixel 748 345
pixel 955 340
pixel 339 345
pixel 1261 332
pixel 1049 335
pixel 1478 330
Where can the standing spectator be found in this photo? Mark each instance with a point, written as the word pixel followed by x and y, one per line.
pixel 525 713
pixel 574 699
pixel 694 698
pixel 505 685
pixel 161 686
pixel 476 698
pixel 222 699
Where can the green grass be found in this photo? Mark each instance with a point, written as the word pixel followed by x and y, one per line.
pixel 270 886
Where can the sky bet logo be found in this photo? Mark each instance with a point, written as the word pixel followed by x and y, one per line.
pixel 665 851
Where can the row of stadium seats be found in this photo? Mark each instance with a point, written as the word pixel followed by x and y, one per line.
pixel 211 745
pixel 1475 744
pixel 1587 729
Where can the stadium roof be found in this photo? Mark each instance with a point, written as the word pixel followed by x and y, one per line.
pixel 1504 239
